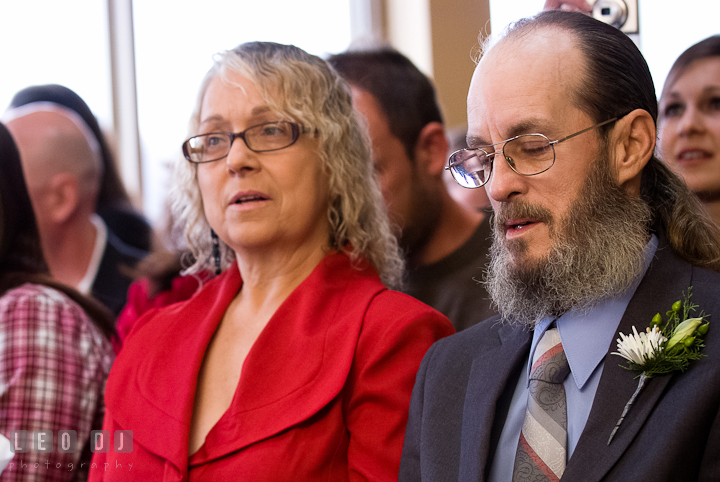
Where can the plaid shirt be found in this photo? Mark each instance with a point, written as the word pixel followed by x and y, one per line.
pixel 53 367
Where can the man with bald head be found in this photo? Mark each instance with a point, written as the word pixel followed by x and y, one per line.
pixel 62 167
pixel 593 236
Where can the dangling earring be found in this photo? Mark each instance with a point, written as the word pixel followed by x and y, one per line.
pixel 215 251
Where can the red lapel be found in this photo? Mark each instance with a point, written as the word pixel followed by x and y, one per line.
pixel 151 387
pixel 297 366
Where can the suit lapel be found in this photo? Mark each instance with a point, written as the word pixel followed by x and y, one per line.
pixel 666 279
pixel 489 377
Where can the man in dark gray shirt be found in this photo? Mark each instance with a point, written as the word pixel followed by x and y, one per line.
pixel 445 243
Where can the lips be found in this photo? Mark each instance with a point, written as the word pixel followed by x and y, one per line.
pixel 514 219
pixel 518 224
pixel 693 154
pixel 516 227
pixel 249 197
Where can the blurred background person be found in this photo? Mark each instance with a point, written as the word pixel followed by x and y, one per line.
pixel 61 159
pixel 444 242
pixel 54 348
pixel 689 124
pixel 113 204
pixel 158 283
pixel 159 280
pixel 296 362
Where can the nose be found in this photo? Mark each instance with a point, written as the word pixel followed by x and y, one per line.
pixel 241 160
pixel 691 122
pixel 504 183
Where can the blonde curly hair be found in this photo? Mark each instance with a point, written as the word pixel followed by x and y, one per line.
pixel 307 91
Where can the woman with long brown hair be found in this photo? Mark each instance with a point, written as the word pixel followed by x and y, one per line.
pixel 689 121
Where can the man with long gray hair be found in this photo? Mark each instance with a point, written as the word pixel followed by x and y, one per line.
pixel 595 240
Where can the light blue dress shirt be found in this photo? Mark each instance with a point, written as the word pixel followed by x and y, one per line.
pixel 586 337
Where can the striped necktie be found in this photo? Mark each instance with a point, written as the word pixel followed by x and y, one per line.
pixel 541 452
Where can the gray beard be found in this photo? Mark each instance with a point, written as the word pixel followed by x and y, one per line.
pixel 596 253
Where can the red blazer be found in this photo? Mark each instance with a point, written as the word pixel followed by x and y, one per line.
pixel 323 394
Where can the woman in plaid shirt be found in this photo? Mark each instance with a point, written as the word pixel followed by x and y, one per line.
pixel 54 348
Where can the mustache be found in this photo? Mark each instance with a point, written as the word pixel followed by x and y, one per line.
pixel 522 210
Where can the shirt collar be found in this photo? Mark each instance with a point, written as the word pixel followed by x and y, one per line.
pixel 85 285
pixel 586 335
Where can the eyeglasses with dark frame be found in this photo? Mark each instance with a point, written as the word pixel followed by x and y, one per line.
pixel 526 154
pixel 266 137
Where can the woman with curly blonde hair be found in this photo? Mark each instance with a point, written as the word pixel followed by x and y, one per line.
pixel 296 362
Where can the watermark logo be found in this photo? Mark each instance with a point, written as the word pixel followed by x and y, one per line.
pixel 42 441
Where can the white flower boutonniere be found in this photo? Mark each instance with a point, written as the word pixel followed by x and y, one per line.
pixel 664 347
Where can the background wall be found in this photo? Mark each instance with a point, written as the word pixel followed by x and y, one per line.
pixel 456 27
pixel 667 27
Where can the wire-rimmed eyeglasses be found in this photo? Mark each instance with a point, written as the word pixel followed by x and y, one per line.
pixel 526 154
pixel 270 136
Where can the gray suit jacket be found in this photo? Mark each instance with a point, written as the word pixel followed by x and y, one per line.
pixel 671 433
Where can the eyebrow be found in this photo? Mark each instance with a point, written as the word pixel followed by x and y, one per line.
pixel 711 88
pixel 708 89
pixel 261 109
pixel 530 126
pixel 256 111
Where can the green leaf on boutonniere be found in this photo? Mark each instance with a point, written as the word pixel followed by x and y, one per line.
pixel 664 347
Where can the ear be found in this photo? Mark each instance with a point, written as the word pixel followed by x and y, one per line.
pixel 64 196
pixel 634 143
pixel 431 149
